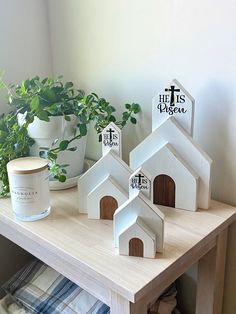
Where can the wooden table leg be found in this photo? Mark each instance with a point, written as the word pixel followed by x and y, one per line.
pixel 119 305
pixel 210 283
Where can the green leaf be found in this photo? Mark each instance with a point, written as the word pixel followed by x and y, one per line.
pixel 67 118
pixel 81 94
pixel 51 155
pixel 89 99
pixel 26 83
pixel 34 103
pixel 83 118
pixel 53 109
pixel 133 120
pixel 95 95
pixel 136 108
pixel 44 80
pixel 125 115
pixel 112 118
pixel 23 89
pixel 63 145
pixel 69 85
pixel 62 178
pixel 127 106
pixel 29 118
pixel 2 134
pixel 36 78
pixel 113 109
pixel 49 95
pixel 82 129
pixel 43 115
pixel 1 84
pixel 72 149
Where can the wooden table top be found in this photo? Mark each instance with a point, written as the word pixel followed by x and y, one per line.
pixel 87 245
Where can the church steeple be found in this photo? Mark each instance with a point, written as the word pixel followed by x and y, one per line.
pixel 111 139
pixel 173 100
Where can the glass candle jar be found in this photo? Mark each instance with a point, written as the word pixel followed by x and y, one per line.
pixel 29 188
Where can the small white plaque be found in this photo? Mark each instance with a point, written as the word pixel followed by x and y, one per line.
pixel 173 100
pixel 140 181
pixel 111 139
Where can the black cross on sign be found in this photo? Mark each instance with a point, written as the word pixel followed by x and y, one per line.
pixel 110 131
pixel 139 176
pixel 172 95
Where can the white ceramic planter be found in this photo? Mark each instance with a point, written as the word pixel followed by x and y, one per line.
pixel 44 133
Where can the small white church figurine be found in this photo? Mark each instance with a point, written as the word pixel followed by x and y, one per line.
pixel 139 226
pixel 138 223
pixel 104 187
pixel 180 169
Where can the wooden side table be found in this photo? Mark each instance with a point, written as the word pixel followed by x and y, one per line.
pixel 83 251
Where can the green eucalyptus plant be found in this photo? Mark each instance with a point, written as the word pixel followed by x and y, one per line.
pixel 43 98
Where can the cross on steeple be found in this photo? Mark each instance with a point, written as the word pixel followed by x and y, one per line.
pixel 139 176
pixel 172 95
pixel 110 131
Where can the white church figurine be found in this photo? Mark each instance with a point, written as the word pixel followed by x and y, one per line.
pixel 104 187
pixel 137 240
pixel 139 227
pixel 180 169
pixel 108 193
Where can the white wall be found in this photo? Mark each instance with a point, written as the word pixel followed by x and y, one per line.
pixel 124 50
pixel 24 40
pixel 24 51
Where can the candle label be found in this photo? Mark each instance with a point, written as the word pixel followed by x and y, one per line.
pixel 24 195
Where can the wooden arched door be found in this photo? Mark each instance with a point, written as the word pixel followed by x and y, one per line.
pixel 136 247
pixel 164 191
pixel 108 206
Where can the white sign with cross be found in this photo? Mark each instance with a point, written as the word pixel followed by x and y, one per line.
pixel 173 100
pixel 140 180
pixel 111 139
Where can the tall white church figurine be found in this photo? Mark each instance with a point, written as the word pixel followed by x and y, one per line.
pixel 104 187
pixel 179 167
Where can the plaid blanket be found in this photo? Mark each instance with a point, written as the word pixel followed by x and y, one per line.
pixel 42 290
pixel 39 289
